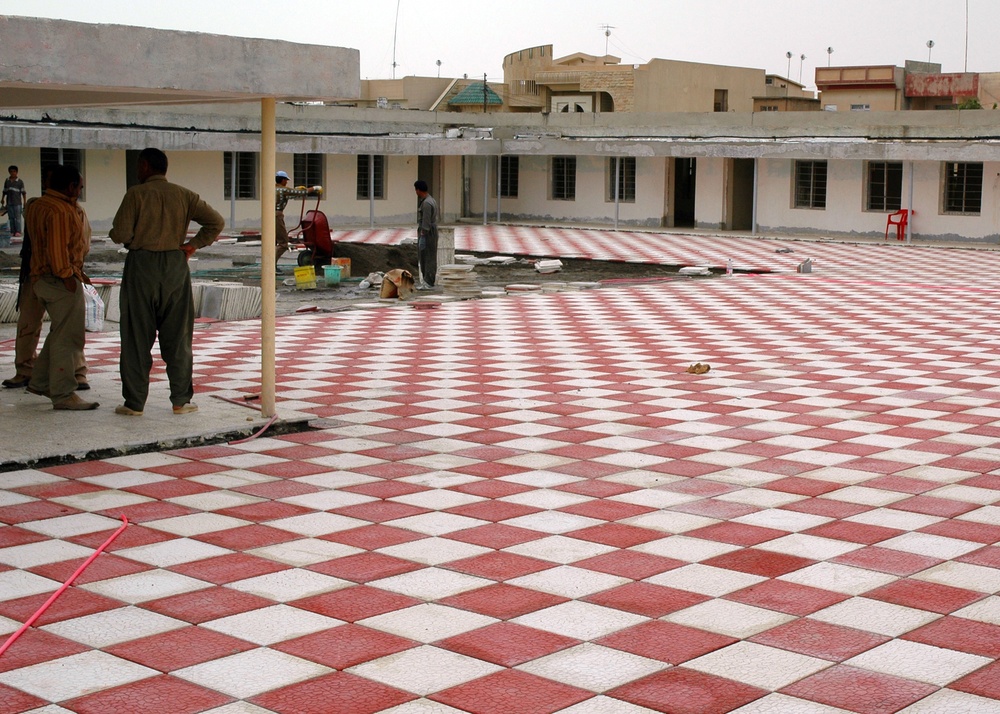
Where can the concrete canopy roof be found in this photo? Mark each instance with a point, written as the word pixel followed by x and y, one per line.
pixel 57 63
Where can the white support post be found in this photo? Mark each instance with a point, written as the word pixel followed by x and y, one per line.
pixel 268 141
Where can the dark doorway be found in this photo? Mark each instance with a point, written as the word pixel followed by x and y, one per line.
pixel 684 190
pixel 742 187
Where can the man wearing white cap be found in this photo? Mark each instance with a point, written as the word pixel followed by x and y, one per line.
pixel 280 201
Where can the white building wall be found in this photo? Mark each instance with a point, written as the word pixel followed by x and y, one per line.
pixel 710 194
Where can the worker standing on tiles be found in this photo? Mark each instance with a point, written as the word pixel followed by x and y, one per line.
pixel 427 235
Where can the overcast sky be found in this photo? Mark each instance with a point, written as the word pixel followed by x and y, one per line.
pixel 472 38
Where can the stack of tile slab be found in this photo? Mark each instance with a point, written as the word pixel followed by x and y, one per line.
pixel 459 280
pixel 227 301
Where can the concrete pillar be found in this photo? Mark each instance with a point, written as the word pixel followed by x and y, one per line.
pixel 446 246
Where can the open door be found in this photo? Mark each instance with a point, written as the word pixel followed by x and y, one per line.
pixel 685 171
pixel 741 196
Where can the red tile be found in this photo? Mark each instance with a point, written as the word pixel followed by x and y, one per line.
pixel 390 470
pixel 691 469
pixel 598 489
pixel 712 508
pixel 984 481
pixel 345 646
pixel 511 691
pixel 854 532
pixel 790 598
pixel 820 639
pixel 736 534
pixel 493 510
pixel 176 649
pixel 105 566
pixel 264 511
pixel 337 692
pixel 759 562
pixel 984 682
pixel 186 469
pixel 373 537
pixel 989 556
pixel 587 469
pixel 884 560
pixel 923 595
pixel 932 506
pixel 13 535
pixel 229 568
pixel 607 510
pixel 827 507
pixel 173 488
pixel 489 469
pixel 380 511
pixel 35 646
pixel 491 488
pixel 13 701
pixel 365 567
pixel 301 451
pixel 619 535
pixel 629 564
pixel 385 489
pixel 803 486
pixel 646 599
pixel 247 537
pixel 496 535
pixel 964 530
pixel 956 633
pixel 33 511
pixel 132 537
pixel 148 511
pixel 859 690
pixel 284 487
pixel 355 603
pixel 684 691
pixel 209 604
pixel 507 644
pixel 499 565
pixel 502 601
pixel 84 469
pixel 73 602
pixel 666 641
pixel 59 489
pixel 902 484
pixel 289 469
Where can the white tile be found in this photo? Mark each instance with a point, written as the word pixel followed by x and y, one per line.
pixel 546 498
pixel 985 610
pixel 172 552
pixel 560 549
pixel 987 514
pixel 215 500
pixel 419 706
pixel 317 524
pixel 20 583
pixel 235 478
pixel 328 500
pixel 68 526
pixel 436 523
pixel 605 705
pixel 31 555
pixel 424 670
pixel 126 479
pixel 948 701
pixel 705 579
pixel 728 618
pixel 758 665
pixel 839 578
pixel 269 625
pixel 238 708
pixel 288 585
pixel 891 518
pixel 196 524
pixel 101 500
pixel 430 583
pixel 809 546
pixel 783 520
pixel 931 545
pixel 761 497
pixel 978 578
pixel 437 499
pixel 655 498
pixel 148 460
pixel 690 550
pixel 440 479
pixel 433 551
pixel 428 622
pixel 569 582
pixel 866 496
pixel 28 477
pixel 968 494
pixel 882 618
pixel 148 585
pixel 914 660
pixel 69 677
pixel 593 667
pixel 775 703
pixel 670 521
pixel 552 522
pixel 580 620
pixel 110 627
pixel 307 551
pixel 250 673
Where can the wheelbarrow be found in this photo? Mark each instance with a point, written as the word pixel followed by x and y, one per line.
pixel 312 235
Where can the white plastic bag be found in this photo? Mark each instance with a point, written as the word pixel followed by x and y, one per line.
pixel 94 309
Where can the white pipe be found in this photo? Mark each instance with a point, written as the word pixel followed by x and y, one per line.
pixel 268 140
pixel 618 173
pixel 486 188
pixel 754 208
pixel 371 191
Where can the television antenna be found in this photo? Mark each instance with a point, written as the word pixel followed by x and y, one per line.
pixel 395 30
pixel 930 46
pixel 607 36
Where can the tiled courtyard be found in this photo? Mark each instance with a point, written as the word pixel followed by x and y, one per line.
pixel 525 505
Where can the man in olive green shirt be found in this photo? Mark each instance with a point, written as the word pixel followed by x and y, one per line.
pixel 156 298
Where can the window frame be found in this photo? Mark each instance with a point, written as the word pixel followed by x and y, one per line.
pixel 957 171
pixel 247 175
pixel 809 184
pixel 510 171
pixel 308 169
pixel 626 179
pixel 881 189
pixel 361 182
pixel 562 184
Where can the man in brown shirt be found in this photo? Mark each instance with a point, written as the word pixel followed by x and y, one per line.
pixel 156 299
pixel 60 239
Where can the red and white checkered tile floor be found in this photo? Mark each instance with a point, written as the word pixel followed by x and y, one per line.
pixel 526 505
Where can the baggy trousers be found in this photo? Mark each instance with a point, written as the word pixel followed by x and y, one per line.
pixel 156 300
pixel 427 249
pixel 29 330
pixel 54 371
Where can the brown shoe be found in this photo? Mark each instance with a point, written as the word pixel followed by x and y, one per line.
pixel 17 382
pixel 75 404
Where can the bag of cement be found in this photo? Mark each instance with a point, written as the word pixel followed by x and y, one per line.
pixel 397 283
pixel 93 309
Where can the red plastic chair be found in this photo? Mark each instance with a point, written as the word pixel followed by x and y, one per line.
pixel 899 219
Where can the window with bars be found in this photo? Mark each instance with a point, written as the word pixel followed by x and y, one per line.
pixel 624 168
pixel 69 157
pixel 884 186
pixel 563 178
pixel 246 175
pixel 509 171
pixel 810 184
pixel 963 187
pixel 378 184
pixel 307 170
